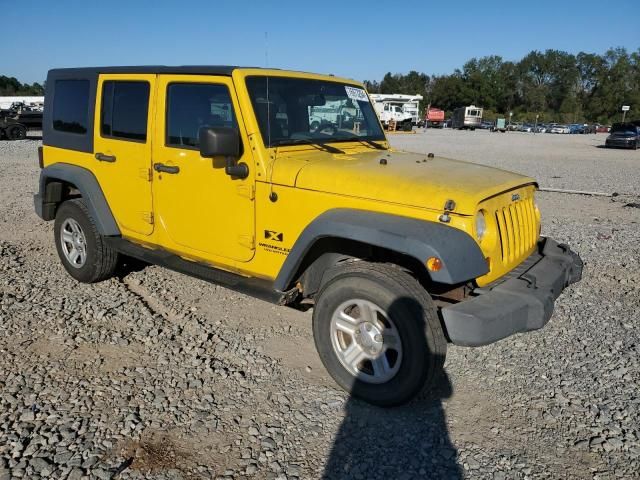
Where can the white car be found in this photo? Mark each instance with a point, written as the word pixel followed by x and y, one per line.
pixel 560 129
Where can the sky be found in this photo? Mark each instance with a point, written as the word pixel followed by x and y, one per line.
pixel 353 39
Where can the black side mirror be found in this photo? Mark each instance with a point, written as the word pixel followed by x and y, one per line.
pixel 224 142
pixel 219 141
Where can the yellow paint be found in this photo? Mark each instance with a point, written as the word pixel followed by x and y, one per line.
pixel 203 214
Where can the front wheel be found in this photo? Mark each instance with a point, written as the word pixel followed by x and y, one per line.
pixel 16 132
pixel 82 250
pixel 377 333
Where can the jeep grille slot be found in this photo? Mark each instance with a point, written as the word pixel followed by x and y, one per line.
pixel 517 227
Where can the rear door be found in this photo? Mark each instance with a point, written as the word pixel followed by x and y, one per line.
pixel 122 148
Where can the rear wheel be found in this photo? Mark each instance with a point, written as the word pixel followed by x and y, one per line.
pixel 16 132
pixel 407 127
pixel 83 252
pixel 377 332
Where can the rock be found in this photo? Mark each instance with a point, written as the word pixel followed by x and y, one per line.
pixel 268 443
pixel 75 474
pixel 100 474
pixel 41 466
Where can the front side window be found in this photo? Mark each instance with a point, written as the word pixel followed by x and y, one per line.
pixel 125 108
pixel 296 110
pixel 71 106
pixel 191 106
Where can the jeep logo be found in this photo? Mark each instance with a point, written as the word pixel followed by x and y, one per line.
pixel 515 197
pixel 271 235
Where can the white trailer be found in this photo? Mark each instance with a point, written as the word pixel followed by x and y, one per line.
pixel 409 105
pixel 6 102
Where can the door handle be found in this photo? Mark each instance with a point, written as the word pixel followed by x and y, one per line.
pixel 161 167
pixel 105 158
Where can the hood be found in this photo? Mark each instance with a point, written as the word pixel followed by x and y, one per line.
pixel 406 178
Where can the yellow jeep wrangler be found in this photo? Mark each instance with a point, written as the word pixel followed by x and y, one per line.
pixel 282 185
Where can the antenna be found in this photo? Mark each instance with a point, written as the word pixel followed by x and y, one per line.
pixel 272 195
pixel 266 65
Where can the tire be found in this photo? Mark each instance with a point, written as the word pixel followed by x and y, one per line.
pixel 407 127
pixel 404 314
pixel 99 261
pixel 16 132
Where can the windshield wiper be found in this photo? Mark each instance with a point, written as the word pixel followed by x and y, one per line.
pixel 307 141
pixel 363 140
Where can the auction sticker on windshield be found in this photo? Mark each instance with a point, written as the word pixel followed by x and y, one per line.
pixel 356 94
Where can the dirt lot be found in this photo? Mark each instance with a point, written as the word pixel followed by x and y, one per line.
pixel 157 375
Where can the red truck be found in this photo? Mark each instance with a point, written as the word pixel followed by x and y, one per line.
pixel 434 118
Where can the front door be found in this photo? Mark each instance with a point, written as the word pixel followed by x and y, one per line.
pixel 122 148
pixel 203 211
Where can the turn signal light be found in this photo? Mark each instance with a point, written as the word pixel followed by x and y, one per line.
pixel 434 264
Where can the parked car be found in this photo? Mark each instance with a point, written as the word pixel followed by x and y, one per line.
pixel 486 125
pixel 602 128
pixel 575 128
pixel 560 129
pixel 526 127
pixel 624 135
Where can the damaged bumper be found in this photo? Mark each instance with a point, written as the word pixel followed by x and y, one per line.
pixel 519 303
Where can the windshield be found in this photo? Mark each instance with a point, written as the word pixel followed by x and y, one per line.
pixel 296 110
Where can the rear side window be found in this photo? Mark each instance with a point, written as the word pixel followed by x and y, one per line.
pixel 124 110
pixel 71 106
pixel 191 106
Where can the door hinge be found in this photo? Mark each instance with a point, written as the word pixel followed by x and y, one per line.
pixel 146 174
pixel 247 241
pixel 246 191
pixel 148 217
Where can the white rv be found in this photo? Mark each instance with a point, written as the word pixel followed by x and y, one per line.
pixel 467 118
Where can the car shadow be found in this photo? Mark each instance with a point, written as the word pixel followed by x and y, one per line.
pixel 128 265
pixel 407 442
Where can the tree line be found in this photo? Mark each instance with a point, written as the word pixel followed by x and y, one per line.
pixel 555 85
pixel 10 86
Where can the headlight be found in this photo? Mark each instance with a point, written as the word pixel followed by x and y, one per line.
pixel 481 225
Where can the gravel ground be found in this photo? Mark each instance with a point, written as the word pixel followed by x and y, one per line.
pixel 157 375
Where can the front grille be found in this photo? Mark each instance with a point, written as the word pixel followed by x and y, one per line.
pixel 518 229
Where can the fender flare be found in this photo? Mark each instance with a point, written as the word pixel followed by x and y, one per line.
pixel 86 182
pixel 462 259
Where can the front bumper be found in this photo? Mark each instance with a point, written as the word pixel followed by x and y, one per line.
pixel 518 303
pixel 620 142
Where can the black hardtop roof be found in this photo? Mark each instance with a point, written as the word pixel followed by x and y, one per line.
pixel 186 69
